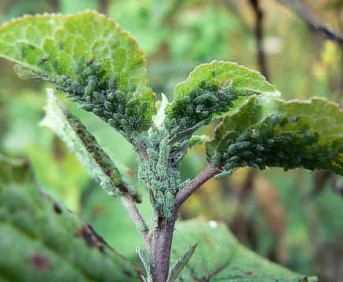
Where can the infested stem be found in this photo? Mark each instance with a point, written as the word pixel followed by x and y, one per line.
pixel 163 231
pixel 159 240
pixel 137 219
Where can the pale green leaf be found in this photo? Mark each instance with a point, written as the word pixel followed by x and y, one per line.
pixel 147 263
pixel 84 145
pixel 220 257
pixel 210 91
pixel 90 58
pixel 161 115
pixel 181 263
pixel 42 241
pixel 271 132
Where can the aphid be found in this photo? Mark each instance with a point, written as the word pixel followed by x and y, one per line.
pixel 25 73
pixel 222 174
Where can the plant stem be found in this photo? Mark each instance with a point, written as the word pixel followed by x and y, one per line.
pixel 137 219
pixel 161 247
pixel 199 180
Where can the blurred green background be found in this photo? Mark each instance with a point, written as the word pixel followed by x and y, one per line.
pixel 294 218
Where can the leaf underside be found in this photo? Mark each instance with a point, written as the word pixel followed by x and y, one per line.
pixel 84 145
pixel 42 241
pixel 89 57
pixel 271 132
pixel 220 257
pixel 210 91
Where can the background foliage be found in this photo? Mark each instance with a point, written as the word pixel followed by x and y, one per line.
pixel 292 218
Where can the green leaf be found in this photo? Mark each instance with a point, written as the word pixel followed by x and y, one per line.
pixel 210 91
pixel 75 6
pixel 84 145
pixel 42 241
pixel 181 263
pixel 90 58
pixel 146 261
pixel 271 132
pixel 220 257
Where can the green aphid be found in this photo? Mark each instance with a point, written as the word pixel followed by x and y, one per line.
pixel 112 83
pixel 132 102
pixel 86 106
pixel 117 117
pixel 109 106
pixel 234 159
pixel 120 109
pixel 222 174
pixel 259 148
pixel 97 111
pixel 124 123
pixel 205 114
pixel 245 135
pixel 203 98
pixel 152 153
pixel 199 108
pixel 170 199
pixel 100 98
pixel 159 197
pixel 157 185
pixel 79 66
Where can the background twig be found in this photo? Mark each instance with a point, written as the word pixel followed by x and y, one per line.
pixel 304 11
pixel 259 34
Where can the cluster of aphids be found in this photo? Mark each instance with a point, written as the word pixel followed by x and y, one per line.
pixel 113 184
pixel 97 93
pixel 199 106
pixel 159 172
pixel 262 145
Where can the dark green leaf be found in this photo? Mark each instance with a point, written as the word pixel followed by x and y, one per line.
pixel 84 145
pixel 219 257
pixel 42 241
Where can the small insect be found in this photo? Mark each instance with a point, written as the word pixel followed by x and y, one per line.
pixel 25 73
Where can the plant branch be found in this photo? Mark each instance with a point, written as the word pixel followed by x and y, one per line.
pixel 196 183
pixel 139 221
pixel 305 12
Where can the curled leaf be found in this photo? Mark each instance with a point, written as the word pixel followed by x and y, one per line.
pixel 89 57
pixel 84 145
pixel 210 92
pixel 271 132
